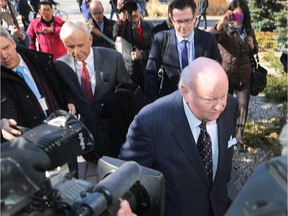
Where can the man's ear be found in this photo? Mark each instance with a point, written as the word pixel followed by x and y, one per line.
pixel 184 92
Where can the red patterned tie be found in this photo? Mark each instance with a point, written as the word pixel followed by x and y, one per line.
pixel 86 82
pixel 204 145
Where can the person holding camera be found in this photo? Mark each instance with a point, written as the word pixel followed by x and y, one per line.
pixel 136 39
pixel 236 42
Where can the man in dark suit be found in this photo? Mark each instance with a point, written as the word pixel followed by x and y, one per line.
pixel 198 43
pixel 30 97
pixel 165 136
pixel 136 39
pixel 105 68
pixel 102 24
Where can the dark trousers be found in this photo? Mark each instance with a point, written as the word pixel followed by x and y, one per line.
pixel 243 95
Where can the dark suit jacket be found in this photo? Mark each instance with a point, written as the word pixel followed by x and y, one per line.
pixel 20 102
pixel 127 40
pixel 107 30
pixel 205 45
pixel 110 71
pixel 160 138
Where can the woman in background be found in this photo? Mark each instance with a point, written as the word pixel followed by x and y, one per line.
pixel 236 42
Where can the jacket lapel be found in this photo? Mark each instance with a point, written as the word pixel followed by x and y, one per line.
pixel 99 73
pixel 184 138
pixel 197 46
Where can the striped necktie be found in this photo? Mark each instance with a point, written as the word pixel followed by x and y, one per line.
pixel 86 82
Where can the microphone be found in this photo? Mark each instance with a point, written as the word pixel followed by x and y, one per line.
pixel 110 189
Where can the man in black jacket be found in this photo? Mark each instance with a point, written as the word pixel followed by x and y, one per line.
pixel 30 88
pixel 102 25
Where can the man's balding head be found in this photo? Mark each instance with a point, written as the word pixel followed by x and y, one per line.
pixel 204 86
pixel 97 11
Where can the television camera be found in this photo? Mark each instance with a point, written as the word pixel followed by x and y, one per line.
pixel 28 190
pixel 129 5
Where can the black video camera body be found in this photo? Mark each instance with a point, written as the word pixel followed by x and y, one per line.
pixel 26 190
pixel 130 5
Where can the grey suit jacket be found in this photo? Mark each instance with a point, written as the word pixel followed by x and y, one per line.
pixel 205 45
pixel 110 70
pixel 160 138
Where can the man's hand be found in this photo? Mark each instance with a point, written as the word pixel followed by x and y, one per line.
pixel 71 108
pixel 47 29
pixel 125 209
pixel 7 130
pixel 17 33
pixel 120 4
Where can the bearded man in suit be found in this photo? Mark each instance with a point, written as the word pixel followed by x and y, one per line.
pixel 167 135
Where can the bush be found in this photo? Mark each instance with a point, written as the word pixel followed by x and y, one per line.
pixel 276 89
pixel 264 135
pixel 263 14
pixel 265 41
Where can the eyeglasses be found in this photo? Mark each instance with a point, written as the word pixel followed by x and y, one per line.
pixel 186 21
pixel 96 13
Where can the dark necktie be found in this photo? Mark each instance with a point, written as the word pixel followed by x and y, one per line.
pixel 184 53
pixel 86 82
pixel 204 145
pixel 32 86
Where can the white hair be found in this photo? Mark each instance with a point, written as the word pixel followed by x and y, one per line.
pixel 71 27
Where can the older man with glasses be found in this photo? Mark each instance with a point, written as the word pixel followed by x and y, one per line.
pixel 173 50
pixel 102 27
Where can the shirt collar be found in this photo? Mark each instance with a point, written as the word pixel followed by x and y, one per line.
pixel 21 63
pixel 193 121
pixel 190 38
pixel 89 57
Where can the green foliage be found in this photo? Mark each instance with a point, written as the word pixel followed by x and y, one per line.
pixel 263 14
pixel 265 41
pixel 281 29
pixel 276 89
pixel 273 60
pixel 264 135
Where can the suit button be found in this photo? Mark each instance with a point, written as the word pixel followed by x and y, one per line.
pixel 27 96
pixel 35 117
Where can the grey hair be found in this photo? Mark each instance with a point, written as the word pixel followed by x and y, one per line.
pixel 71 27
pixel 4 33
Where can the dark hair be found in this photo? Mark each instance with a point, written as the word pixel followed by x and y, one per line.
pixel 44 3
pixel 181 4
pixel 243 5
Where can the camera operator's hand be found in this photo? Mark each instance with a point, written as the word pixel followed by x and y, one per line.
pixel 72 109
pixel 17 33
pixel 7 129
pixel 136 55
pixel 120 4
pixel 125 209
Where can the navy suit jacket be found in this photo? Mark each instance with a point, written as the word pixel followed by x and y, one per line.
pixel 160 138
pixel 205 45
